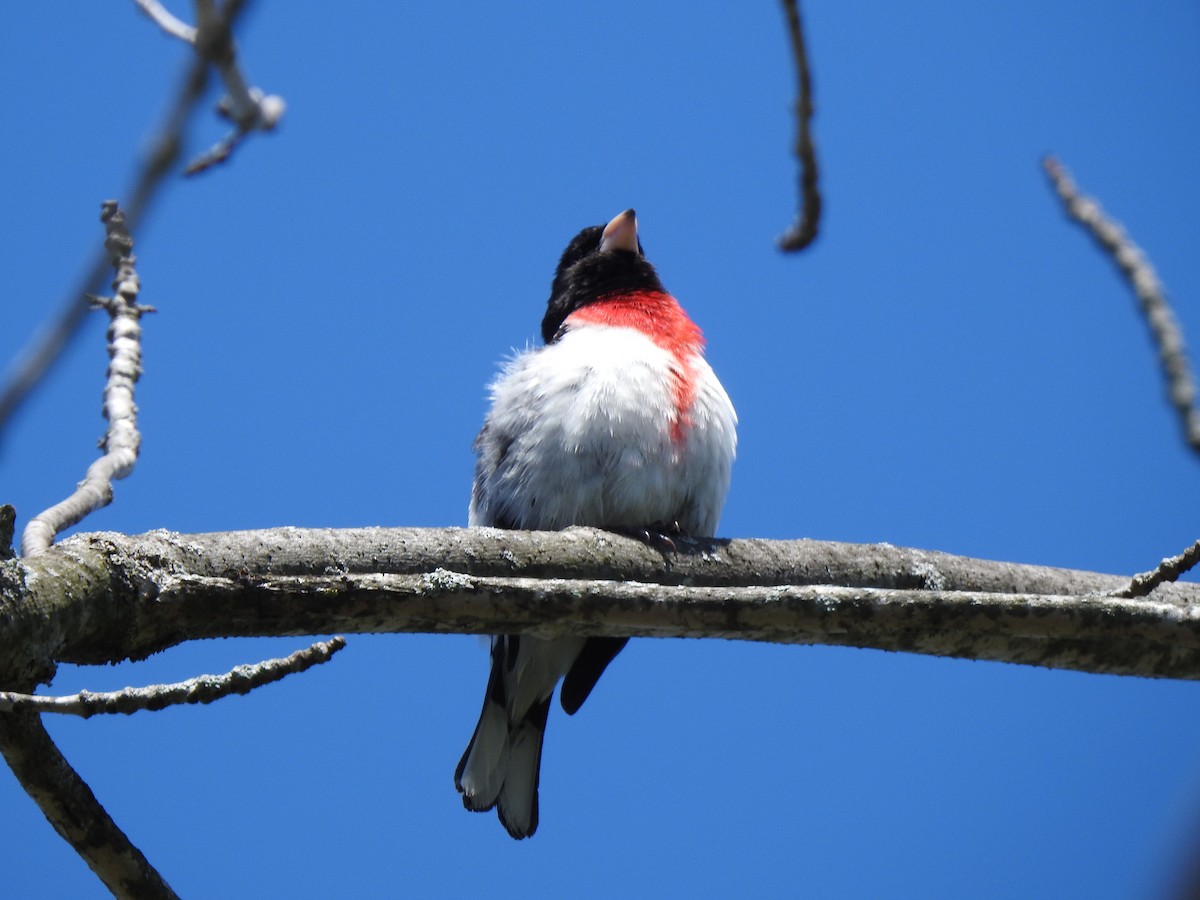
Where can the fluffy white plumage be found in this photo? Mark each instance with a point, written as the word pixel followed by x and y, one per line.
pixel 576 436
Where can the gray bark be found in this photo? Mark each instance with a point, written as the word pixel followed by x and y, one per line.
pixel 106 597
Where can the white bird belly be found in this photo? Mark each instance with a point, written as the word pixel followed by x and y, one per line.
pixel 580 433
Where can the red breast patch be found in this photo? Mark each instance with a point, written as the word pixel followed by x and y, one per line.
pixel 660 317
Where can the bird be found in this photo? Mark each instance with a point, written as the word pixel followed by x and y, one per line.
pixel 616 421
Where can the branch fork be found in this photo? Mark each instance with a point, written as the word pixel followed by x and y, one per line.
pixel 247 107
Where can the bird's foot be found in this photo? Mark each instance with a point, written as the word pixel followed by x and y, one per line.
pixel 658 536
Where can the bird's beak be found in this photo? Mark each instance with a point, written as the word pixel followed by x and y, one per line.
pixel 621 233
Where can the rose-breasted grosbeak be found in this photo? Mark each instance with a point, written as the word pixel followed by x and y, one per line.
pixel 617 422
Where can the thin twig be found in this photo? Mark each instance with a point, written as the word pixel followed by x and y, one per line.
pixel 1168 570
pixel 247 107
pixel 1140 274
pixel 217 153
pixel 122 440
pixel 803 231
pixel 47 347
pixel 201 689
pixel 70 806
pixel 167 22
pixel 212 39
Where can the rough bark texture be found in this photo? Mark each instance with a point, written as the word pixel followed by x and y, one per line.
pixel 106 597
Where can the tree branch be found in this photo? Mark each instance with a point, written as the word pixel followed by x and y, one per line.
pixel 8 527
pixel 106 597
pixel 247 107
pixel 163 18
pixel 1168 570
pixel 212 39
pixel 48 346
pixel 1152 298
pixel 201 689
pixel 71 807
pixel 803 231
pixel 121 441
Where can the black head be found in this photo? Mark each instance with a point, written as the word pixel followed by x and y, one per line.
pixel 599 261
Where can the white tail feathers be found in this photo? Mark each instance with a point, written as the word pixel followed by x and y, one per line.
pixel 480 774
pixel 518 802
pixel 501 766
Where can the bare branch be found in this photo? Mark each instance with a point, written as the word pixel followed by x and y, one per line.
pixel 201 689
pixel 1168 570
pixel 8 525
pixel 47 346
pixel 217 153
pixel 247 107
pixel 101 597
pixel 71 807
pixel 167 22
pixel 803 231
pixel 122 440
pixel 1140 274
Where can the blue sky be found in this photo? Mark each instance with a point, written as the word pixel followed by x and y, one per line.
pixel 951 366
